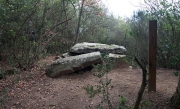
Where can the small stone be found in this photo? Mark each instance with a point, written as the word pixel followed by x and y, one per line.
pixel 130 67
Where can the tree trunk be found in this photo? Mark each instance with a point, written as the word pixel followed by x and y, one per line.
pixel 79 20
pixel 178 88
pixel 175 99
pixel 143 85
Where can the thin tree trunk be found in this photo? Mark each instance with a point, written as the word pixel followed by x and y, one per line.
pixel 175 99
pixel 178 88
pixel 143 85
pixel 79 20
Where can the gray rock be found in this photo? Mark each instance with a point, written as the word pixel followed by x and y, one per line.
pixel 116 56
pixel 82 48
pixel 71 64
pixel 65 55
pixel 58 57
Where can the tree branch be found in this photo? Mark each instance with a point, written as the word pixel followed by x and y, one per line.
pixel 143 85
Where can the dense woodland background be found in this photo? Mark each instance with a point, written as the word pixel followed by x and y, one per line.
pixel 31 28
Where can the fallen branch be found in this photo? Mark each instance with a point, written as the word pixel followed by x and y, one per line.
pixel 143 85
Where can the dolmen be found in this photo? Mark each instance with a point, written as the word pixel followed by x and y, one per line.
pixel 82 55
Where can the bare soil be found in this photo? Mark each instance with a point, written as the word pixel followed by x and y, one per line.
pixel 34 90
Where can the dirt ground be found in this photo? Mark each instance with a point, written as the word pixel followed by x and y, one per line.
pixel 34 90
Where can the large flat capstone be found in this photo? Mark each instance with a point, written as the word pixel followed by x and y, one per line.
pixel 70 64
pixel 85 47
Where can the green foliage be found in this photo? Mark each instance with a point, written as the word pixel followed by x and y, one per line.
pixel 92 91
pixel 96 25
pixel 168 33
pixel 176 73
pixel 8 72
pixel 31 28
pixel 3 97
pixel 12 71
pixel 175 101
pixel 122 100
pixel 28 27
pixel 167 15
pixel 122 104
pixel 42 64
pixel 146 104
pixel 105 67
pixel 99 106
pixel 102 89
pixel 138 36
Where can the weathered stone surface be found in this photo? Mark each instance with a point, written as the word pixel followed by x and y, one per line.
pixel 65 55
pixel 111 55
pixel 82 48
pixel 58 57
pixel 70 64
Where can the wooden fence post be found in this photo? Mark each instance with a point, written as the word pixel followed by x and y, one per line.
pixel 152 54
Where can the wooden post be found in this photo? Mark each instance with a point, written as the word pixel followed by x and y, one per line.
pixel 152 54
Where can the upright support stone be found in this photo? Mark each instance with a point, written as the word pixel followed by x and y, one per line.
pixel 71 64
pixel 152 54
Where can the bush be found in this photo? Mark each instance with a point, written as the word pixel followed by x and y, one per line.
pixel 102 89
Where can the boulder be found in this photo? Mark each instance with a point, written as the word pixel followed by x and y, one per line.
pixel 71 64
pixel 82 48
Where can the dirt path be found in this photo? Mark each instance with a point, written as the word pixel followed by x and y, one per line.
pixel 34 90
